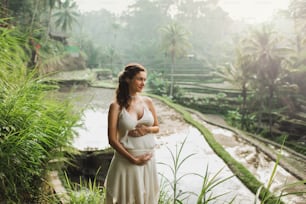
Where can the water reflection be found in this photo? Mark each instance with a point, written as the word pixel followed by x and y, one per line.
pixel 94 133
pixel 203 157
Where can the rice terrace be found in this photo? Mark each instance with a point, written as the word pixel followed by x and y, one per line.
pixel 227 78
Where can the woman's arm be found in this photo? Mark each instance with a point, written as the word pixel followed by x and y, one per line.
pixel 113 115
pixel 141 129
pixel 155 127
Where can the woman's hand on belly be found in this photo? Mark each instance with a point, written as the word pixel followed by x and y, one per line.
pixel 139 130
pixel 142 159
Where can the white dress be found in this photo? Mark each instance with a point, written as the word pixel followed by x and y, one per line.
pixel 127 183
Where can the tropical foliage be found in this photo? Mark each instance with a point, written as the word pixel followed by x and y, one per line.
pixel 34 129
pixel 240 74
pixel 66 15
pixel 175 44
pixel 266 74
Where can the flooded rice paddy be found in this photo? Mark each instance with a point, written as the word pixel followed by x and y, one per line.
pixel 171 137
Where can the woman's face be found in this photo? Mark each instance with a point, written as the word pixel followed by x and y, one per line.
pixel 138 82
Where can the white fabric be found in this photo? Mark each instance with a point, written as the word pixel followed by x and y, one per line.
pixel 127 183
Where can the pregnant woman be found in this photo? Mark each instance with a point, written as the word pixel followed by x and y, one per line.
pixel 132 120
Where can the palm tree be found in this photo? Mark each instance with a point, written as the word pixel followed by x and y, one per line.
pixel 112 56
pixel 239 74
pixel 35 12
pixel 174 43
pixel 66 15
pixel 297 10
pixel 50 4
pixel 268 58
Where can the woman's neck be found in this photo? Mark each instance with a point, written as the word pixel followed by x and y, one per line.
pixel 134 95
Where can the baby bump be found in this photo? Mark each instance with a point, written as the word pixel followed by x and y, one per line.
pixel 143 142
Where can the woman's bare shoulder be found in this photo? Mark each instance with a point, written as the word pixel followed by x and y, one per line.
pixel 147 100
pixel 114 106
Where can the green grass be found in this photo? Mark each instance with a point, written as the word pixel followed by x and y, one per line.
pixel 170 191
pixel 89 192
pixel 209 183
pixel 174 166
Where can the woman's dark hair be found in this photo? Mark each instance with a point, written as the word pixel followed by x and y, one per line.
pixel 122 91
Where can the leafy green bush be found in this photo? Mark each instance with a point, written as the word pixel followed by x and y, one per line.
pixel 34 129
pixel 233 118
pixel 158 84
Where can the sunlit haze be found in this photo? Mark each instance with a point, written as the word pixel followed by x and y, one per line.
pixel 248 10
pixel 115 6
pixel 253 10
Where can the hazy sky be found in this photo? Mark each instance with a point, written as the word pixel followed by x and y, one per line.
pixel 250 10
pixel 253 10
pixel 116 6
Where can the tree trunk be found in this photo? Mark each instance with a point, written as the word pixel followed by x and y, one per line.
pixel 172 72
pixel 244 95
pixel 270 109
pixel 4 9
pixel 49 23
pixel 34 16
